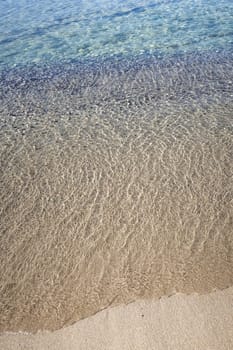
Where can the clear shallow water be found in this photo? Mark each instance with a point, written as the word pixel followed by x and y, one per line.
pixel 35 31
pixel 116 170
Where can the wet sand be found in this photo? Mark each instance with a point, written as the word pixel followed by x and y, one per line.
pixel 116 185
pixel 176 323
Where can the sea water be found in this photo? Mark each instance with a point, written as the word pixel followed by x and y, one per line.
pixel 116 144
pixel 35 31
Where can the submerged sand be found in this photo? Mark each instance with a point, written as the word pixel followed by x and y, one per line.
pixel 194 322
pixel 116 185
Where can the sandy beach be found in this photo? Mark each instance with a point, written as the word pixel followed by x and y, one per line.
pixel 116 175
pixel 116 189
pixel 179 322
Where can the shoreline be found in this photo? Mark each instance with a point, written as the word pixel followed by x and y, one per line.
pixel 176 322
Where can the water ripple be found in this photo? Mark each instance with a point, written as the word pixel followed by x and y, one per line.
pixel 116 184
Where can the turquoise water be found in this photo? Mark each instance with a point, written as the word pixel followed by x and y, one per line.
pixel 46 30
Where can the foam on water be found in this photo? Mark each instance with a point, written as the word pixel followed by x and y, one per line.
pixel 116 184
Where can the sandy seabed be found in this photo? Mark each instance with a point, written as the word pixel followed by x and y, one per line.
pixel 200 322
pixel 116 189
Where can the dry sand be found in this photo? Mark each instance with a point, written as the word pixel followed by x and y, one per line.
pixel 179 322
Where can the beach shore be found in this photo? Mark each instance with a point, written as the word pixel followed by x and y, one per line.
pixel 179 322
